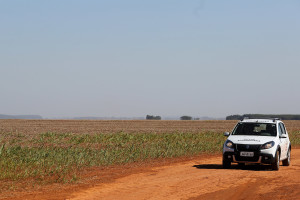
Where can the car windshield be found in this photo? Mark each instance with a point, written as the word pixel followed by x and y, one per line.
pixel 259 129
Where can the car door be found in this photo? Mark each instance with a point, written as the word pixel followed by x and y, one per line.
pixel 283 141
pixel 287 140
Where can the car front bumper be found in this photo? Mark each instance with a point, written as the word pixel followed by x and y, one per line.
pixel 260 158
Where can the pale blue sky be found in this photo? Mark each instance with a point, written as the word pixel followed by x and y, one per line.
pixel 70 58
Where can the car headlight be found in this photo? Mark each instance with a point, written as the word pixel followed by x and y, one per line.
pixel 229 144
pixel 268 145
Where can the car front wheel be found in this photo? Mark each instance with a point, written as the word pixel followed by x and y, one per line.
pixel 226 164
pixel 275 164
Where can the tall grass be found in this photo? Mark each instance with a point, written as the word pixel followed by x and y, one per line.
pixel 59 157
pixel 295 138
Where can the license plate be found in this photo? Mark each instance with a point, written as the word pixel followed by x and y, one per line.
pixel 247 154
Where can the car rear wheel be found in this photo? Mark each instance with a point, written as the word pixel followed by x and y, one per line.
pixel 287 161
pixel 275 164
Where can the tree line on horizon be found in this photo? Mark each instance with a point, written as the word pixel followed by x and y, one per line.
pixel 263 116
pixel 153 117
pixel 185 117
pixel 2 116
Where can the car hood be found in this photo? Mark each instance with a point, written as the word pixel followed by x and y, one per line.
pixel 244 139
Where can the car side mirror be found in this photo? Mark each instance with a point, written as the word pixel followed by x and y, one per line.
pixel 283 136
pixel 226 134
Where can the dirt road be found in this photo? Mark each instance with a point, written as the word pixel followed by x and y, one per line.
pixel 203 179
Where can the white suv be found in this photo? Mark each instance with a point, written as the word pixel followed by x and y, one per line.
pixel 262 141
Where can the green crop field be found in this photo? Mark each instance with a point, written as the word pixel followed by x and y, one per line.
pixel 59 156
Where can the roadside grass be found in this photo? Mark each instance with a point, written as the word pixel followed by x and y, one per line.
pixel 295 138
pixel 60 157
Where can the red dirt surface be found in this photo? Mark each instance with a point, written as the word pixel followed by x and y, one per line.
pixel 203 179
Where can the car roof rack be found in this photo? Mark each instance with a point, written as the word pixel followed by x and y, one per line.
pixel 276 119
pixel 273 119
pixel 245 118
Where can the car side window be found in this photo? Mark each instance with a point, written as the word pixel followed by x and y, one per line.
pixel 280 130
pixel 283 128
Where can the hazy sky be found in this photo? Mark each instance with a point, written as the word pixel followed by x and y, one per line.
pixel 68 58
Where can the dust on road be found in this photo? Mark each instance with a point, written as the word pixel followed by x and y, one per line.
pixel 203 179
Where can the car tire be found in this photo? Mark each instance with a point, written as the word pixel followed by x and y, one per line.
pixel 275 164
pixel 226 164
pixel 287 161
